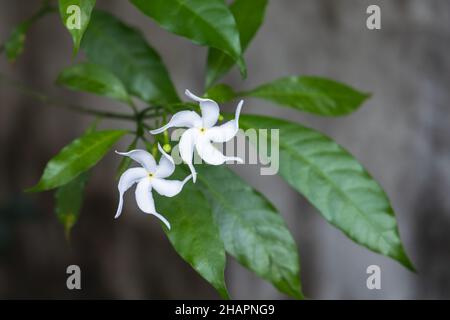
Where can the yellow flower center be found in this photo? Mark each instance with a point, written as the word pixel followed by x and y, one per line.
pixel 202 130
pixel 151 175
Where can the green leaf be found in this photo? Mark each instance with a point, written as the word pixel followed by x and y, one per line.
pixel 311 94
pixel 251 228
pixel 77 157
pixel 93 78
pixel 69 199
pixel 194 234
pixel 221 93
pixel 249 15
pixel 75 15
pixel 204 22
pixel 15 43
pixel 124 51
pixel 336 184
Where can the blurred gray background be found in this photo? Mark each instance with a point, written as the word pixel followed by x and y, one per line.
pixel 401 135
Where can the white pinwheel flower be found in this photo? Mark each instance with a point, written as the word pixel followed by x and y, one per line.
pixel 149 176
pixel 202 132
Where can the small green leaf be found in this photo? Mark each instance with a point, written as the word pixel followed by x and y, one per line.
pixel 194 234
pixel 126 161
pixel 69 199
pixel 205 22
pixel 251 228
pixel 75 15
pixel 311 94
pixel 95 79
pixel 77 157
pixel 124 51
pixel 15 44
pixel 336 184
pixel 249 15
pixel 16 41
pixel 221 93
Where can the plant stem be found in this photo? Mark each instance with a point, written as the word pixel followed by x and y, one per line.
pixel 146 115
pixel 36 95
pixel 133 107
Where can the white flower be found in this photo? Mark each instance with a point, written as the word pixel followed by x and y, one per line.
pixel 202 132
pixel 149 176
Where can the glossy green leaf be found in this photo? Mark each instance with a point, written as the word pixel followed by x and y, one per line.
pixel 15 43
pixel 205 22
pixel 220 93
pixel 124 51
pixel 251 228
pixel 75 15
pixel 336 184
pixel 194 234
pixel 311 94
pixel 77 157
pixel 95 79
pixel 69 199
pixel 249 15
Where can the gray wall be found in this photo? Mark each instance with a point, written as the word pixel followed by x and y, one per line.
pixel 400 135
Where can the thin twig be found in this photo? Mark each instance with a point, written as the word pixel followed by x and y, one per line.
pixel 133 107
pixel 54 102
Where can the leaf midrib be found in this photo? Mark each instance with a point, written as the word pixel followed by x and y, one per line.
pixel 226 205
pixel 295 94
pixel 259 92
pixel 183 4
pixel 88 150
pixel 332 183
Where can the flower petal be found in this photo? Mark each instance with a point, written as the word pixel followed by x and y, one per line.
pixel 127 179
pixel 166 165
pixel 185 118
pixel 210 109
pixel 186 147
pixel 210 154
pixel 227 130
pixel 145 202
pixel 144 158
pixel 169 188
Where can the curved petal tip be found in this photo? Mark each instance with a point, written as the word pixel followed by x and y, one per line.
pixel 156 131
pixel 189 177
pixel 238 109
pixel 165 154
pixel 192 96
pixel 237 159
pixel 163 220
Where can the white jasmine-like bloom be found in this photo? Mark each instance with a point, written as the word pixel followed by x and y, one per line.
pixel 149 176
pixel 202 132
